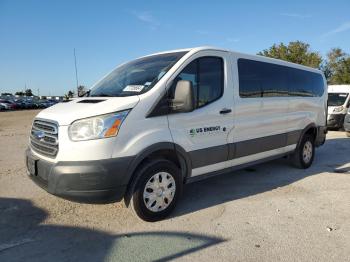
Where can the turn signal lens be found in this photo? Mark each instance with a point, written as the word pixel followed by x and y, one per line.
pixel 113 130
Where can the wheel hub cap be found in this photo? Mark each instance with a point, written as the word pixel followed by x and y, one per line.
pixel 307 152
pixel 159 191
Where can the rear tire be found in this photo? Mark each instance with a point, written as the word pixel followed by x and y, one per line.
pixel 304 153
pixel 156 190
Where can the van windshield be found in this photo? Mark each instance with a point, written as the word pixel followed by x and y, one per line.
pixel 136 77
pixel 337 99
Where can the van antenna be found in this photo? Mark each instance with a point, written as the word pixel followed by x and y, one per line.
pixel 76 71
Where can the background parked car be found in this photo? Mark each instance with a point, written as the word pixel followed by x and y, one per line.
pixel 40 104
pixel 9 105
pixel 33 105
pixel 25 103
pixel 51 103
pixel 19 104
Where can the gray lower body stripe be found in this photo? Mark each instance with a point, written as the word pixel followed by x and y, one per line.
pixel 217 154
pixel 209 156
pixel 258 145
pixel 293 137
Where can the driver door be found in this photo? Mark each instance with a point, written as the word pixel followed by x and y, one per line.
pixel 203 133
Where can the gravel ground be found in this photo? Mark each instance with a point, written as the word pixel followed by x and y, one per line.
pixel 270 212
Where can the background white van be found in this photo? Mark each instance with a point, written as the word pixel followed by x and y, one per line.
pixel 166 119
pixel 338 105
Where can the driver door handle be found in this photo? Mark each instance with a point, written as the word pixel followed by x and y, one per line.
pixel 225 111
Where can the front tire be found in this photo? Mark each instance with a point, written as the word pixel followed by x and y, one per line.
pixel 305 152
pixel 156 190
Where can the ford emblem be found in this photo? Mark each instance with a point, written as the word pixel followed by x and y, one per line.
pixel 39 134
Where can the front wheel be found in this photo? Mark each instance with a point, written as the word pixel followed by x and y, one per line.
pixel 156 190
pixel 304 153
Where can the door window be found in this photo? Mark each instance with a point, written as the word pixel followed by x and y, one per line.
pixel 207 77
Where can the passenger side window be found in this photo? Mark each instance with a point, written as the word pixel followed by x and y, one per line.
pixel 207 77
pixel 274 81
pixel 261 79
pixel 305 83
pixel 298 83
pixel 249 79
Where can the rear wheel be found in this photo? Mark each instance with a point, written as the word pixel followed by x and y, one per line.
pixel 305 152
pixel 156 190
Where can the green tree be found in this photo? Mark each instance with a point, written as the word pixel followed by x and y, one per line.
pixel 70 94
pixel 81 90
pixel 337 67
pixel 20 93
pixel 295 52
pixel 28 92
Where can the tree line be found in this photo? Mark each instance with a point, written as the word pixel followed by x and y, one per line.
pixel 80 91
pixel 336 65
pixel 27 92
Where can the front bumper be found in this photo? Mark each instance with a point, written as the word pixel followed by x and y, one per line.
pixel 97 181
pixel 335 120
pixel 347 123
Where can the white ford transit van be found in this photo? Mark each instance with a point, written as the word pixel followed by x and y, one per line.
pixel 338 105
pixel 166 119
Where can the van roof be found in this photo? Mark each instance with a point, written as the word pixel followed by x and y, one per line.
pixel 256 57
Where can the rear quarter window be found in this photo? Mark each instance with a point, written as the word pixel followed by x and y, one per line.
pixel 262 79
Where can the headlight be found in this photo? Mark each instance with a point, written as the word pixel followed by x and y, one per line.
pixel 97 127
pixel 338 109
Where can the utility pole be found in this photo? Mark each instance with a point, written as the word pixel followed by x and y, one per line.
pixel 38 92
pixel 76 70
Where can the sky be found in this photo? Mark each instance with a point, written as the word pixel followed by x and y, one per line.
pixel 37 38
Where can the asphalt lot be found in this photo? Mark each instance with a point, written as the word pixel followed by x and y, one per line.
pixel 270 212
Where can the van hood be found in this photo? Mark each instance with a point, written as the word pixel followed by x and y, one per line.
pixel 67 112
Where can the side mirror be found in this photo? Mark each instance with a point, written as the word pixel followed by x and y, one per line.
pixel 183 97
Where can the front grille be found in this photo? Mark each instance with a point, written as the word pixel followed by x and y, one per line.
pixel 44 137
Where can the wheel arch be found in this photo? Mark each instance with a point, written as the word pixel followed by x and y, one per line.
pixel 309 129
pixel 166 150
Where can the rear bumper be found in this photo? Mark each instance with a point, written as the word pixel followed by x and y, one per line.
pixel 99 181
pixel 335 120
